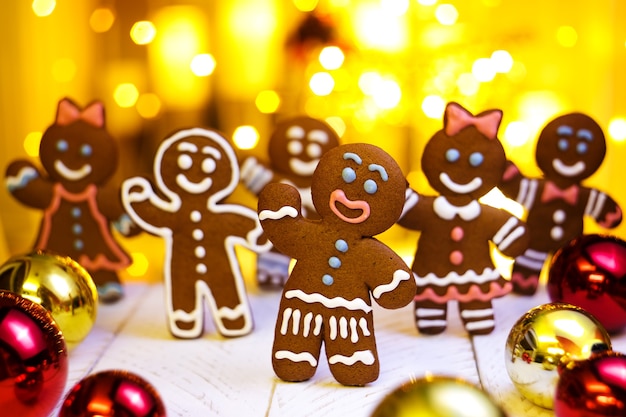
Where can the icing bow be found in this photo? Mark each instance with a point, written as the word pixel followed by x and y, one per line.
pixel 552 192
pixel 68 112
pixel 458 118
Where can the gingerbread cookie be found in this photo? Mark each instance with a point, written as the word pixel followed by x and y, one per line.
pixel 358 192
pixel 462 162
pixel 194 171
pixel 79 157
pixel 295 148
pixel 570 148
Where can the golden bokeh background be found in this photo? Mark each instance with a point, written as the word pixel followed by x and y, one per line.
pixel 378 71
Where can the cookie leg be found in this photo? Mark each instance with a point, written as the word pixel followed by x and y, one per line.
pixel 430 317
pixel 526 271
pixel 108 284
pixel 297 344
pixel 477 317
pixel 272 269
pixel 351 350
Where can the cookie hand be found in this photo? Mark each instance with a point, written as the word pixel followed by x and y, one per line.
pixel 136 189
pixel 19 174
pixel 278 201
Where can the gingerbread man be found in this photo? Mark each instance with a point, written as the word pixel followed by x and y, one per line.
pixel 358 192
pixel 195 170
pixel 295 148
pixel 79 157
pixel 570 148
pixel 462 162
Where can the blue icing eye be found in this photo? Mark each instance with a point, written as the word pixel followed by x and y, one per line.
pixel 341 245
pixel 327 279
pixel 62 145
pixel 86 150
pixel 452 155
pixel 334 262
pixel 348 175
pixel 476 159
pixel 581 148
pixel 370 186
pixel 563 144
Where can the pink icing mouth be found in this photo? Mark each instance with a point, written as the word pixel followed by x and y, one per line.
pixel 338 196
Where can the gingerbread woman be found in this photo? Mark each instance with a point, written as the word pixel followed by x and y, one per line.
pixel 295 148
pixel 358 192
pixel 570 148
pixel 79 157
pixel 195 170
pixel 462 162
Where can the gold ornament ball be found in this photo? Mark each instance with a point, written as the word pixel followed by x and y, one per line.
pixel 545 337
pixel 57 283
pixel 438 396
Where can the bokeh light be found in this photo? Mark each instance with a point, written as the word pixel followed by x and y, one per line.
pixel 203 65
pixel 267 101
pixel 483 70
pixel 467 84
pixel 101 20
pixel 433 106
pixel 63 70
pixel 322 83
pixel 148 105
pixel 305 5
pixel 331 57
pixel 566 36
pixel 246 137
pixel 517 133
pixel 617 129
pixel 126 95
pixel 43 8
pixel 446 14
pixel 379 29
pixel 139 266
pixel 338 124
pixel 502 61
pixel 31 144
pixel 387 94
pixel 143 32
pixel 395 7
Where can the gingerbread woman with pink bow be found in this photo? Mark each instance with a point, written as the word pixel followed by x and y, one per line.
pixel 570 148
pixel 462 162
pixel 80 207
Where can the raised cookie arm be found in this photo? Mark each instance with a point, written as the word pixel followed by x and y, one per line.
pixel 27 185
pixel 603 209
pixel 147 209
pixel 412 213
pixel 511 235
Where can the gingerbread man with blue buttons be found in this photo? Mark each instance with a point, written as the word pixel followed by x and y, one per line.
pixel 462 162
pixel 358 192
pixel 570 148
pixel 195 171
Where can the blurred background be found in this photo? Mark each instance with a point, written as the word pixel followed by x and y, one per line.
pixel 378 71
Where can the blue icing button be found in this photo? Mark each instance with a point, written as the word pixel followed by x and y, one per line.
pixel 341 245
pixel 77 229
pixel 76 212
pixel 327 279
pixel 78 244
pixel 334 262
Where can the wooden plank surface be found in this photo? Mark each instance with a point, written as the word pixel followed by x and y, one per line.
pixel 233 377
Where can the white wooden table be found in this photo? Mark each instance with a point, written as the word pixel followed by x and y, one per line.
pixel 233 377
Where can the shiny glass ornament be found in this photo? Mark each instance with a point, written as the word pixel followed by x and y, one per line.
pixel 595 387
pixel 590 272
pixel 113 393
pixel 438 396
pixel 33 358
pixel 542 339
pixel 57 283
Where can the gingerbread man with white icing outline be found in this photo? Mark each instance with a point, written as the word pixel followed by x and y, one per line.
pixel 196 169
pixel 570 148
pixel 462 162
pixel 294 150
pixel 358 191
pixel 80 205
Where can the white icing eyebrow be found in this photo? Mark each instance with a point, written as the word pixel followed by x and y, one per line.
pixel 295 132
pixel 207 150
pixel 585 134
pixel 565 130
pixel 318 136
pixel 350 155
pixel 187 146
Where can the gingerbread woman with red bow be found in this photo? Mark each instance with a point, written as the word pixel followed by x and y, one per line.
pixel 570 148
pixel 462 162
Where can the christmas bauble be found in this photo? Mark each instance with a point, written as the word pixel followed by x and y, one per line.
pixel 590 272
pixel 595 387
pixel 57 283
pixel 33 358
pixel 438 396
pixel 542 339
pixel 113 393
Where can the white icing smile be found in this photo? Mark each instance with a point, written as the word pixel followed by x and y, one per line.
pixel 193 187
pixel 72 174
pixel 303 168
pixel 568 170
pixel 467 188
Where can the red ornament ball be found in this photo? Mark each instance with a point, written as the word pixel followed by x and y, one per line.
pixel 33 358
pixel 113 393
pixel 590 272
pixel 595 387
